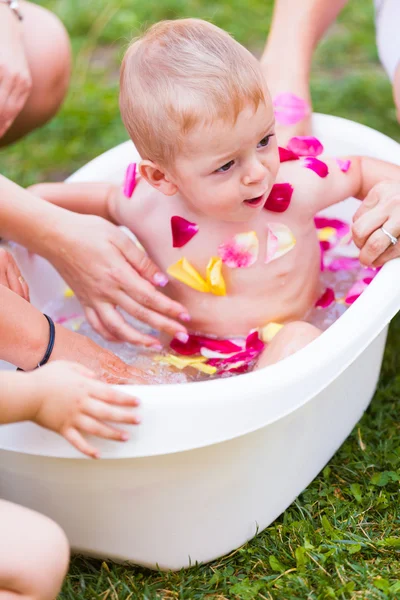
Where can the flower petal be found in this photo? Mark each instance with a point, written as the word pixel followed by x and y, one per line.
pixel 279 197
pixel 268 332
pixel 182 231
pixel 69 293
pixel 130 180
pixel 319 167
pixel 343 263
pixel 327 298
pixel 184 272
pixel 241 251
pixel 215 278
pixel 221 346
pixel 191 347
pixel 253 342
pixel 280 241
pixel 342 228
pixel 343 164
pixel 290 109
pixel 285 155
pixel 304 145
pixel 326 233
pixel 356 290
pixel 196 362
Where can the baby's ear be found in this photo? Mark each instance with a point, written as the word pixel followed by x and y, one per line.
pixel 157 177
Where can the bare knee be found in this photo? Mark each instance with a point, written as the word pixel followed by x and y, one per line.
pixel 290 339
pixel 48 53
pixel 36 559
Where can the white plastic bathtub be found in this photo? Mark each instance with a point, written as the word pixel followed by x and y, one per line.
pixel 213 462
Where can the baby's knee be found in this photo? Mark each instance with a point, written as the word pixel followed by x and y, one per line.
pixel 300 331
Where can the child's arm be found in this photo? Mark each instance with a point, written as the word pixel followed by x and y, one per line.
pixel 85 198
pixel 65 398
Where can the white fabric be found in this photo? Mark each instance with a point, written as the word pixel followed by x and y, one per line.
pixel 387 13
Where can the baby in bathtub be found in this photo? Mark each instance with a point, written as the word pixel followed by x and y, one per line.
pixel 215 202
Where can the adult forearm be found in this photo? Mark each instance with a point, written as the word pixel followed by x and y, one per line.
pixel 297 26
pixel 28 220
pixel 24 331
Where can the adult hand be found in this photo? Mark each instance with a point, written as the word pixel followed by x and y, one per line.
pixel 10 275
pixel 106 270
pixel 15 77
pixel 381 207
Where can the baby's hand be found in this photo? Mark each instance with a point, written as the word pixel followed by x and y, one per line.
pixel 71 402
pixel 381 208
pixel 10 275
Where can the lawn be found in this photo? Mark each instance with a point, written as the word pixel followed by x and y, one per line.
pixel 341 538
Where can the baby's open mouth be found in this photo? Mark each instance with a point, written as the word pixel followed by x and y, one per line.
pixel 254 201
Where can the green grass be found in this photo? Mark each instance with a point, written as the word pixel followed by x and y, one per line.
pixel 341 538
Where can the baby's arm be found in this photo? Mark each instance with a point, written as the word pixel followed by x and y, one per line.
pixel 87 198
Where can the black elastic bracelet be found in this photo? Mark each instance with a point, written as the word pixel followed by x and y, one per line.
pixel 50 345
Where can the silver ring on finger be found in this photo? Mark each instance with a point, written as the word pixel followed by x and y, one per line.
pixel 392 238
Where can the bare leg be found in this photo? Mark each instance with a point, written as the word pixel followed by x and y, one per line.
pixel 293 337
pixel 34 554
pixel 297 26
pixel 49 56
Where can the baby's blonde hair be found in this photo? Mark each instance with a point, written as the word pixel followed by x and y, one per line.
pixel 180 74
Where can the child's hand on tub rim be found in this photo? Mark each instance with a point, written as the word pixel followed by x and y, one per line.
pixel 10 275
pixel 66 398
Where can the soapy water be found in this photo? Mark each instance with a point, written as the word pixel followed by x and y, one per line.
pixel 66 311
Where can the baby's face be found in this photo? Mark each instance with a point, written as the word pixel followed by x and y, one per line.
pixel 226 171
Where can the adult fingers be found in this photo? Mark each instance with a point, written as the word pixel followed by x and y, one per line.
pixel 378 243
pixel 367 224
pixel 154 319
pixel 140 261
pixel 94 427
pixel 14 278
pixel 97 325
pixel 78 441
pixel 13 106
pixel 102 411
pixel 116 325
pixel 389 254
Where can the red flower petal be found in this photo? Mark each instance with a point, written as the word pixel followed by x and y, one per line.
pixel 182 231
pixel 305 145
pixel 253 342
pixel 319 167
pixel 342 228
pixel 327 298
pixel 279 198
pixel 285 155
pixel 191 347
pixel 344 165
pixel 222 346
pixel 290 109
pixel 130 180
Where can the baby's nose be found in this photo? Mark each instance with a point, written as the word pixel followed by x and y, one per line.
pixel 255 174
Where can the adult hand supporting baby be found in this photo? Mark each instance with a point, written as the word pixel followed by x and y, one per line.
pixel 381 208
pixel 97 260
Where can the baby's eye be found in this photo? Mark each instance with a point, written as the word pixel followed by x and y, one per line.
pixel 265 141
pixel 225 167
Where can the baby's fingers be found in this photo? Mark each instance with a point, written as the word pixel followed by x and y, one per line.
pixel 94 427
pixel 78 441
pixel 105 392
pixel 105 412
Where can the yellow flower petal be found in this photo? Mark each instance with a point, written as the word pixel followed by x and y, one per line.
pixel 268 332
pixel 68 293
pixel 208 369
pixel 214 276
pixel 180 362
pixel 326 233
pixel 184 272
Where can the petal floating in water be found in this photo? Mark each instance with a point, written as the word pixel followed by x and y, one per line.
pixel 197 362
pixel 279 197
pixel 343 164
pixel 326 233
pixel 285 155
pixel 241 251
pixel 253 342
pixel 341 227
pixel 343 263
pixel 69 293
pixel 290 109
pixel 182 231
pixel 279 242
pixel 316 165
pixel 304 145
pixel 268 332
pixel 357 289
pixel 215 278
pixel 130 180
pixel 327 298
pixel 184 272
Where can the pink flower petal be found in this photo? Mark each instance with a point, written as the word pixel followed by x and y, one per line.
pixel 344 165
pixel 241 251
pixel 319 167
pixel 357 289
pixel 290 109
pixel 304 145
pixel 285 155
pixel 327 298
pixel 130 180
pixel 191 347
pixel 279 197
pixel 253 342
pixel 182 231
pixel 343 263
pixel 280 241
pixel 222 346
pixel 342 228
